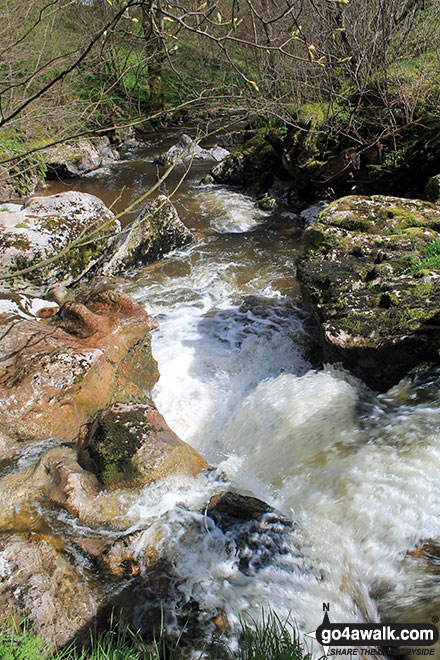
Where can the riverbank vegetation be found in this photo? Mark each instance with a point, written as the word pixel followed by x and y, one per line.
pixel 347 74
pixel 272 639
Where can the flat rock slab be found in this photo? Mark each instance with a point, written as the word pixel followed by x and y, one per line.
pixel 373 285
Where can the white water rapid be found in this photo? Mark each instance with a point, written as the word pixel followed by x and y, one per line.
pixel 356 473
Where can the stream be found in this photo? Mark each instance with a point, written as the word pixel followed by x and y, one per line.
pixel 356 472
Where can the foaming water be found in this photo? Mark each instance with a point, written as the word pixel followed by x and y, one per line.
pixel 229 211
pixel 355 473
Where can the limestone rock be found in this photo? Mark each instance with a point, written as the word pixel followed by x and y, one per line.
pixel 41 229
pixel 55 375
pixel 131 444
pixel 74 160
pixel 372 279
pixel 156 231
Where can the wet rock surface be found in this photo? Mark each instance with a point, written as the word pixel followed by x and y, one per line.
pixel 156 231
pixel 257 532
pixel 39 582
pixel 373 282
pixel 54 375
pixel 41 229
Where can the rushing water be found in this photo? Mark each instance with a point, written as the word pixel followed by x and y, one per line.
pixel 357 473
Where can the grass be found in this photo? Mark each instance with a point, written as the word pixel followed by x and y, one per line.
pixel 430 258
pixel 270 639
pixel 18 642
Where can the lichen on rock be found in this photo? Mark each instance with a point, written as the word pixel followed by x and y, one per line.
pixel 55 375
pixel 41 229
pixel 156 231
pixel 131 444
pixel 70 160
pixel 378 310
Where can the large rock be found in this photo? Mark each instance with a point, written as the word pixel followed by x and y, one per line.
pixel 74 160
pixel 258 532
pixel 186 150
pixel 252 166
pixel 156 231
pixel 372 278
pixel 54 376
pixel 432 189
pixel 38 581
pixel 132 444
pixel 41 229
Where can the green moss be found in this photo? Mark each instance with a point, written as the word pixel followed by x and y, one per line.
pixel 422 290
pixel 432 189
pixel 113 447
pixel 23 172
pixel 311 113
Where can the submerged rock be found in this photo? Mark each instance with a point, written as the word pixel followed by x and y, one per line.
pixel 41 229
pixel 372 278
pixel 74 160
pixel 156 231
pixel 55 375
pixel 257 531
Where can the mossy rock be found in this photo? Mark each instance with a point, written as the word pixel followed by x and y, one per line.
pixel 40 230
pixel 156 231
pixel 432 189
pixel 253 165
pixel 365 276
pixel 130 444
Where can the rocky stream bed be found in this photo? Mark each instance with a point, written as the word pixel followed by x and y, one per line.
pixel 299 460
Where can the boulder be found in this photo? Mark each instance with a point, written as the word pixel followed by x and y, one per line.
pixel 186 149
pixel 73 160
pixel 156 231
pixel 55 375
pixel 123 134
pixel 38 581
pixel 131 444
pixel 252 166
pixel 371 275
pixel 432 189
pixel 41 229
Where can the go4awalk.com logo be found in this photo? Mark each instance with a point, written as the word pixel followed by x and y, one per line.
pixel 350 638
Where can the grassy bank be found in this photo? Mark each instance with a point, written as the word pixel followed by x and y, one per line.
pixel 272 639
